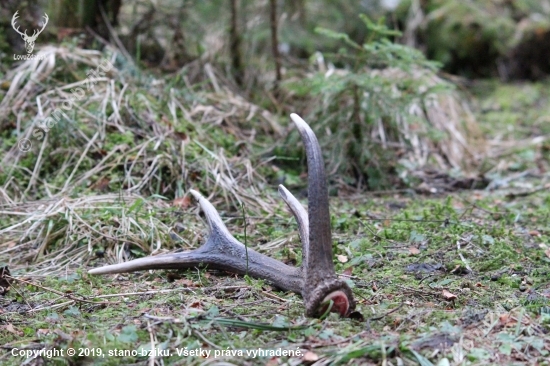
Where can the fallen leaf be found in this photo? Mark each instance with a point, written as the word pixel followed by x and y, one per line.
pixel 342 258
pixel 414 251
pixel 101 185
pixel 534 233
pixel 182 202
pixel 506 320
pixel 547 252
pixel 10 328
pixel 448 296
pixel 310 357
pixel 196 305
pixel 348 271
pixel 180 135
pixel 185 282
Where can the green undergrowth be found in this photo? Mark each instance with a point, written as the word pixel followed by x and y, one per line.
pixel 383 94
pixel 519 109
pixel 427 274
pixel 154 136
pixel 516 118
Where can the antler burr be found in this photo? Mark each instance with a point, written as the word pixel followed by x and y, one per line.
pixel 315 280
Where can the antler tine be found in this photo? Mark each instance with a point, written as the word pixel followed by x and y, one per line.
pixel 320 281
pixel 13 19
pixel 215 223
pixel 317 193
pixel 221 251
pixel 300 215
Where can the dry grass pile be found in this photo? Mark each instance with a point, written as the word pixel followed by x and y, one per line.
pixel 397 124
pixel 62 234
pixel 147 140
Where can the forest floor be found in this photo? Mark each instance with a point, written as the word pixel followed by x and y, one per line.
pixel 447 278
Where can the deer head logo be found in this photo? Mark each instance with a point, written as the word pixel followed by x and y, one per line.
pixel 29 40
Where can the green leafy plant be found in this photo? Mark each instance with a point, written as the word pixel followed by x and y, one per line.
pixel 376 103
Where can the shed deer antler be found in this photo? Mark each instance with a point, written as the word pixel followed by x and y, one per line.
pixel 315 280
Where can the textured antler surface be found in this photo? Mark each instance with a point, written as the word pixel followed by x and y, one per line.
pixel 320 281
pixel 316 280
pixel 221 251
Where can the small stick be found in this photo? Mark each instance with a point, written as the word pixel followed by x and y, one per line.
pixel 151 292
pixel 68 296
pixel 388 313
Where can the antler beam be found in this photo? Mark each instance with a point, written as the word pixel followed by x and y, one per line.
pixel 315 280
